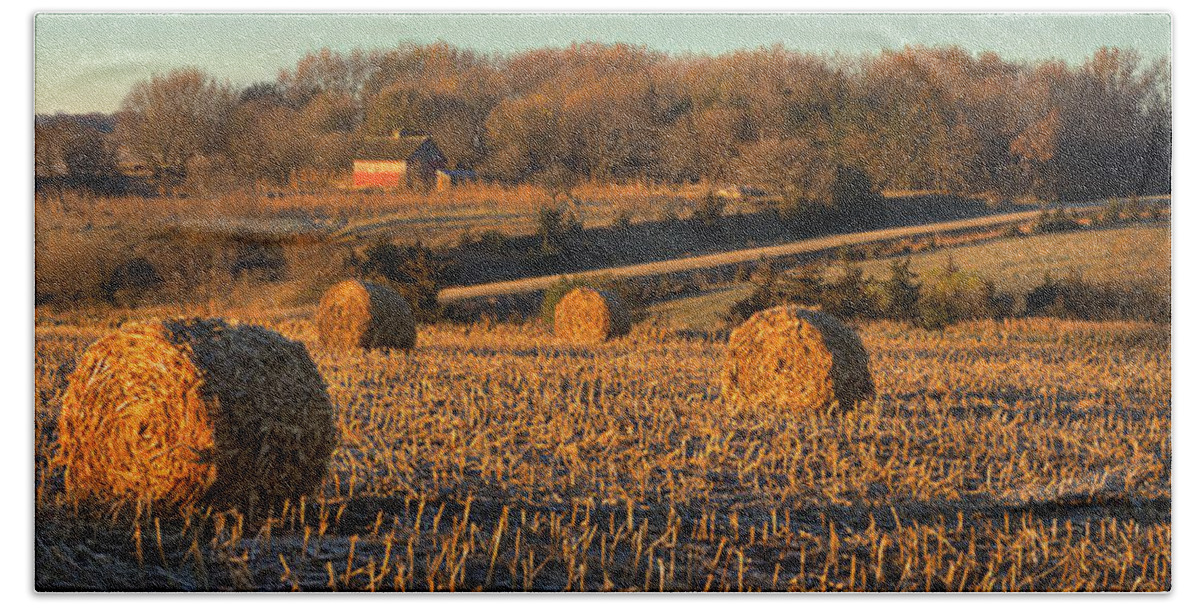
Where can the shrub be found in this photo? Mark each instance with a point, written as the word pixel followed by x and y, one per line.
pixel 1140 301
pixel 130 281
pixel 900 293
pixel 550 229
pixel 1073 297
pixel 803 286
pixel 558 231
pixel 572 230
pixel 551 296
pixel 652 289
pixel 760 299
pixel 950 296
pixel 1004 304
pixel 415 271
pixel 953 295
pixel 1050 298
pixel 1058 221
pixel 709 210
pixel 849 296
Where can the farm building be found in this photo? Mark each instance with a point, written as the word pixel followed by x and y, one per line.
pixel 454 177
pixel 410 161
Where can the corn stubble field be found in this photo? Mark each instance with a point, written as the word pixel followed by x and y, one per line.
pixel 996 456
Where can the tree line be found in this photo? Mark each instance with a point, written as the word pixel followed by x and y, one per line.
pixel 787 122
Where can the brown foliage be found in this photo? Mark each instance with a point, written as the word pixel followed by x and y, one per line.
pixel 917 118
pixel 168 120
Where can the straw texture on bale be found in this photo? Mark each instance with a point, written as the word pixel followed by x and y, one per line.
pixel 589 315
pixel 195 411
pixel 358 314
pixel 796 358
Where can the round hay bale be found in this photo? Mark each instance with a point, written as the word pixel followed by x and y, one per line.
pixel 195 411
pixel 796 358
pixel 358 314
pixel 589 316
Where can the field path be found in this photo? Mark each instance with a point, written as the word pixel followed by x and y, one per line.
pixel 728 258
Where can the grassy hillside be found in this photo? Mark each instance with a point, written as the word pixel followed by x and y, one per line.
pixel 703 311
pixel 1128 254
pixel 1137 253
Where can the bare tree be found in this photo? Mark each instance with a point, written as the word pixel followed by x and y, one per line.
pixel 168 120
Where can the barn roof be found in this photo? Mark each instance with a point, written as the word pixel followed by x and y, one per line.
pixel 392 148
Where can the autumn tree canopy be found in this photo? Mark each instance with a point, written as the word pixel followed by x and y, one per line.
pixel 913 119
pixel 168 120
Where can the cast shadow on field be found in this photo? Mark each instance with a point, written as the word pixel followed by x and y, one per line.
pixel 362 513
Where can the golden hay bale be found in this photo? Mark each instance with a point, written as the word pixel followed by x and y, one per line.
pixel 358 314
pixel 189 411
pixel 797 358
pixel 589 315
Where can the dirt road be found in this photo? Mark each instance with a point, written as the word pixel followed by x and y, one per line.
pixel 735 257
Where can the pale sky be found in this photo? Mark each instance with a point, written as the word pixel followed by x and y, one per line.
pixel 87 62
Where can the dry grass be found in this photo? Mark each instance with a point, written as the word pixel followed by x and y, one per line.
pixel 80 240
pixel 359 314
pixel 589 316
pixel 794 357
pixel 482 206
pixel 180 412
pixel 1127 254
pixel 1031 455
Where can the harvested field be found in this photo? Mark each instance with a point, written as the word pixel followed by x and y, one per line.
pixel 1029 455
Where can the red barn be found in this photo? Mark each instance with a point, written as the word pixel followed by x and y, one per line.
pixel 410 161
